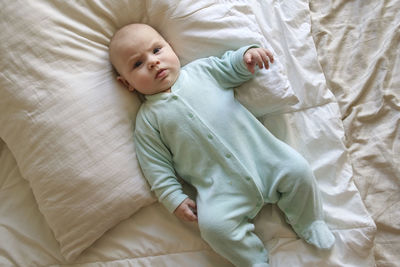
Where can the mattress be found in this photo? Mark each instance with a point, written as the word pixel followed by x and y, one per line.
pixel 71 190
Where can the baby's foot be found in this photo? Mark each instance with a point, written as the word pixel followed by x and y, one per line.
pixel 319 235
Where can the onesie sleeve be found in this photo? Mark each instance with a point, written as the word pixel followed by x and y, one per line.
pixel 156 163
pixel 230 71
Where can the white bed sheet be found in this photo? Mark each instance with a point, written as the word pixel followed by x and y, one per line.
pixel 151 237
pixel 358 47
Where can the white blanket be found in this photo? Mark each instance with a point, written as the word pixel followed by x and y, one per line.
pixel 71 190
pixel 360 59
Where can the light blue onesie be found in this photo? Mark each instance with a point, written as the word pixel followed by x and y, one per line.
pixel 200 132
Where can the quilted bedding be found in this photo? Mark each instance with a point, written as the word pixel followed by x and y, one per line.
pixel 71 191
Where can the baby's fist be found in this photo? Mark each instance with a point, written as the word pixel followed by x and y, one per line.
pixel 187 211
pixel 257 56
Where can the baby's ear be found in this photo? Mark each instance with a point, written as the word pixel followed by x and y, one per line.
pixel 125 83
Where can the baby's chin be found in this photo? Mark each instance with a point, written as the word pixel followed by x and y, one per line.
pixel 154 92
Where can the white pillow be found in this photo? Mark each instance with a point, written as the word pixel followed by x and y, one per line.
pixel 69 124
pixel 66 120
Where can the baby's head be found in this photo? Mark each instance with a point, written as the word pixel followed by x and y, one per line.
pixel 145 62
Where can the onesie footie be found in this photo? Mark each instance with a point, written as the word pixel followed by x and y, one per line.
pixel 319 235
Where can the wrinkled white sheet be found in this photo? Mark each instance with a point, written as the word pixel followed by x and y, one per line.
pixel 152 237
pixel 358 44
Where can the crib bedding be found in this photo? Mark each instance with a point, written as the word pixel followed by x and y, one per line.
pixel 358 47
pixel 66 133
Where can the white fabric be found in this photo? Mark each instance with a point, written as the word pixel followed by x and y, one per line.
pixel 68 125
pixel 65 122
pixel 361 62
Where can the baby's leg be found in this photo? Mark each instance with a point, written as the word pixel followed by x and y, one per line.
pixel 301 202
pixel 234 240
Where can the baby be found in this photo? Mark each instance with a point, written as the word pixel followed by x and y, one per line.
pixel 192 126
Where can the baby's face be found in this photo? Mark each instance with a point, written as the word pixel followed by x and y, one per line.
pixel 145 61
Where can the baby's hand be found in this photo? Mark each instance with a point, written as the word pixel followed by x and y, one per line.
pixel 259 56
pixel 187 211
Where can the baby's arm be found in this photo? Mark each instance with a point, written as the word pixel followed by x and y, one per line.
pixel 257 56
pixel 187 211
pixel 156 163
pixel 236 67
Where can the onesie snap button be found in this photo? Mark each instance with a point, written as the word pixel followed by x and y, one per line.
pixel 175 97
pixel 190 115
pixel 210 136
pixel 228 156
pixel 248 178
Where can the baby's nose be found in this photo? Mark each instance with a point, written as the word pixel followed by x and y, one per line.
pixel 153 62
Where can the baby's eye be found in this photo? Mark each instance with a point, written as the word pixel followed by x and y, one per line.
pixel 156 50
pixel 137 64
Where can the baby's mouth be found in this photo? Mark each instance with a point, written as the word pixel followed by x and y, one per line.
pixel 161 73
